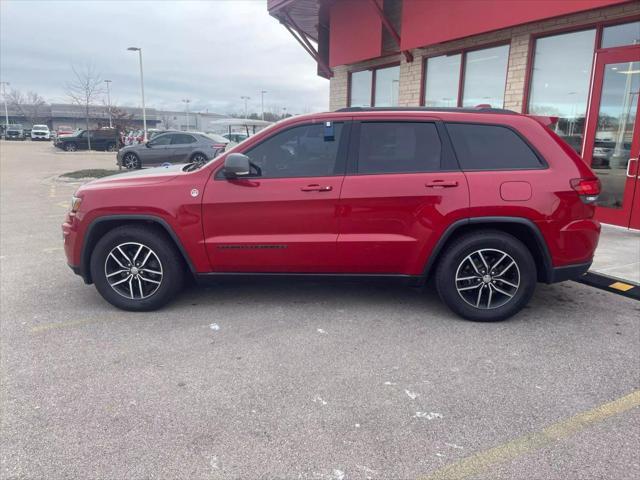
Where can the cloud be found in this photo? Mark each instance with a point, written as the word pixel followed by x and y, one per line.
pixel 211 52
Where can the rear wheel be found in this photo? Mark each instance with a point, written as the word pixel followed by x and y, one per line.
pixel 130 161
pixel 70 147
pixel 199 158
pixel 111 147
pixel 486 276
pixel 136 268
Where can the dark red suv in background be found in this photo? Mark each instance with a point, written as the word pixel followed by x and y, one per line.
pixel 488 202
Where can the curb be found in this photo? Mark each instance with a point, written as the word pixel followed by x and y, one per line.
pixel 625 288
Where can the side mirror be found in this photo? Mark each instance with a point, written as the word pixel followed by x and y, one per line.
pixel 236 165
pixel 148 144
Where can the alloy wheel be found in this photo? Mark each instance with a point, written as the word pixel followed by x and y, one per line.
pixel 133 270
pixel 487 278
pixel 130 161
pixel 199 159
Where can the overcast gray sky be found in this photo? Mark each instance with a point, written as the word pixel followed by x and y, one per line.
pixel 210 51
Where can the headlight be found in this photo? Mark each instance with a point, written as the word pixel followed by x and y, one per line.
pixel 75 203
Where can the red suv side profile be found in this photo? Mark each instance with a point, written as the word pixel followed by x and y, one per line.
pixel 486 202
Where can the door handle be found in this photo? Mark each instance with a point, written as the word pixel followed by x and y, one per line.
pixel 317 188
pixel 441 184
pixel 631 175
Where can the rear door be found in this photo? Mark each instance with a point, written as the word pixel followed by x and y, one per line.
pixel 401 191
pixel 180 148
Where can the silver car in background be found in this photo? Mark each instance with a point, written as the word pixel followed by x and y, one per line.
pixel 172 147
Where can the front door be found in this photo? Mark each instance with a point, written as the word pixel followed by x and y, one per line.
pixel 612 140
pixel 283 218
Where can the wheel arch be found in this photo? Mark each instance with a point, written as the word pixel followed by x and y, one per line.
pixel 100 226
pixel 522 228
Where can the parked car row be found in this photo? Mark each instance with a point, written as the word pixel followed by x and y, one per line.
pixel 172 147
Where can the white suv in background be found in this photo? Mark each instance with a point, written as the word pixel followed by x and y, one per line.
pixel 40 132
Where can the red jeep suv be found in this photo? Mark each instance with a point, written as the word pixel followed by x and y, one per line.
pixel 484 201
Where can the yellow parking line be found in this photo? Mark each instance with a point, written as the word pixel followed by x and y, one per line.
pixel 53 326
pixel 623 287
pixel 481 461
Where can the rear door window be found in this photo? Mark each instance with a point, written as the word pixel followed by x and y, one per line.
pixel 491 147
pixel 398 147
pixel 182 139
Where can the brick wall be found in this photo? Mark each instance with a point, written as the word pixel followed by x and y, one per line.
pixel 519 38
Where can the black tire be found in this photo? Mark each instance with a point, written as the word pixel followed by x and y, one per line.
pixel 457 262
pixel 111 147
pixel 169 264
pixel 131 161
pixel 70 147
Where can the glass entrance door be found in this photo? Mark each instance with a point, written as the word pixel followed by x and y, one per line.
pixel 612 139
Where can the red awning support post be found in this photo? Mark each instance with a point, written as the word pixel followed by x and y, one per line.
pixel 301 37
pixel 391 30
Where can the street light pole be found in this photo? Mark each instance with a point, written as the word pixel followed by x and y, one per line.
pixel 245 105
pixel 262 92
pixel 144 112
pixel 109 102
pixel 4 95
pixel 186 102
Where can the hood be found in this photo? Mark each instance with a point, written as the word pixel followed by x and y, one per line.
pixel 147 176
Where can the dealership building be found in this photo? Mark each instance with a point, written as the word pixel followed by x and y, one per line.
pixel 577 60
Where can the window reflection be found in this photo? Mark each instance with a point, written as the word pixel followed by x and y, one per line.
pixel 621 35
pixel 442 81
pixel 485 73
pixel 361 88
pixel 387 86
pixel 560 82
pixel 615 129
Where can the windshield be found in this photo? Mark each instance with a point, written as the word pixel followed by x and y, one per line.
pixel 40 127
pixel 15 127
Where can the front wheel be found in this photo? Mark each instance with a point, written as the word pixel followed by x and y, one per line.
pixel 70 147
pixel 111 147
pixel 136 268
pixel 486 276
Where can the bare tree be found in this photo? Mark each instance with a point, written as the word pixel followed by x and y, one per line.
pixel 31 106
pixel 84 89
pixel 167 121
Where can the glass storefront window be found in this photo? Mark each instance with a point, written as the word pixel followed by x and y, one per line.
pixel 442 81
pixel 621 35
pixel 387 86
pixel 560 82
pixel 615 129
pixel 361 88
pixel 485 74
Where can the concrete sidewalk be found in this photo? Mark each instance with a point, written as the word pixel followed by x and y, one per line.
pixel 618 254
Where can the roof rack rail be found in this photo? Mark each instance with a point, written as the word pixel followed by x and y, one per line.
pixel 429 109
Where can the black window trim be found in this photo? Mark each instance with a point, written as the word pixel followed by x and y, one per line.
pixel 448 161
pixel 543 163
pixel 339 169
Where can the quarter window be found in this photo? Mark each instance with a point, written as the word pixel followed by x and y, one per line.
pixel 398 147
pixel 305 151
pixel 490 147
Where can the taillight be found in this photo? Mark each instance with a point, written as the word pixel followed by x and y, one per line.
pixel 218 145
pixel 587 188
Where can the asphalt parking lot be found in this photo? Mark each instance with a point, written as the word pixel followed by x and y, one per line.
pixel 296 379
